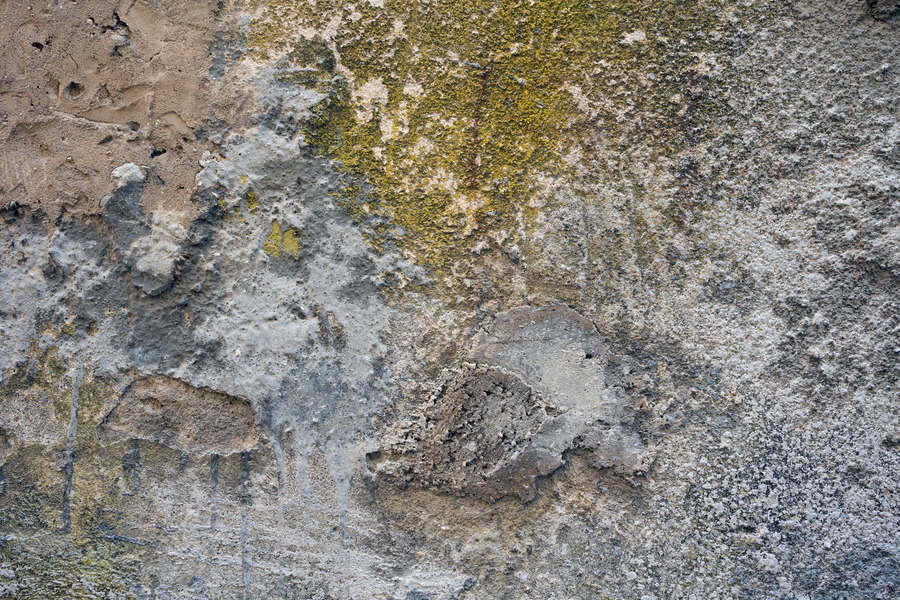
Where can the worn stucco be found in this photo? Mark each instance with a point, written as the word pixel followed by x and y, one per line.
pixel 428 300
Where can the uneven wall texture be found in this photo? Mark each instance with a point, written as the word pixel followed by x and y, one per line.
pixel 449 299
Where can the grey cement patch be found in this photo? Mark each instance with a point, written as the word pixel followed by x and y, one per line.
pixel 299 336
pixel 562 354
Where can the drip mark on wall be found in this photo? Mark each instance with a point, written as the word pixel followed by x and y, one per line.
pixel 131 465
pixel 214 490
pixel 245 523
pixel 278 447
pixel 65 512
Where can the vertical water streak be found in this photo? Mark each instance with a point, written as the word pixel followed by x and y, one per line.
pixel 131 465
pixel 245 523
pixel 214 504
pixel 343 464
pixel 65 511
pixel 214 490
pixel 276 439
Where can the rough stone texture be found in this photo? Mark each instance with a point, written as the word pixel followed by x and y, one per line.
pixel 481 436
pixel 434 300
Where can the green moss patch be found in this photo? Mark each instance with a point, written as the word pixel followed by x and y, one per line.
pixel 464 115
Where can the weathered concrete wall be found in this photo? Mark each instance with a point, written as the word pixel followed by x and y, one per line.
pixel 428 300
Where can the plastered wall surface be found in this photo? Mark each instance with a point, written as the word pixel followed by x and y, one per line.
pixel 432 300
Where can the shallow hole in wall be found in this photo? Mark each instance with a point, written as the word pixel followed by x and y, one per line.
pixel 73 90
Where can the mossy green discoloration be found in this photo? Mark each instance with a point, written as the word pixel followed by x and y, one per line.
pixel 56 569
pixel 465 115
pixel 40 377
pixel 59 330
pixel 76 558
pixel 34 486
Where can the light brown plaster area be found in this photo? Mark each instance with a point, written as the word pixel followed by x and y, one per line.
pixel 174 413
pixel 89 86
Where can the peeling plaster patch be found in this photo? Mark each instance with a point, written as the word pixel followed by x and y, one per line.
pixel 561 354
pixel 171 412
pixel 475 437
pixel 548 382
pixel 154 256
pixel 555 349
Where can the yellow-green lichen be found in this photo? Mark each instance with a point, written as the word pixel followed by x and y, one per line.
pixel 40 375
pixel 251 201
pixel 291 244
pixel 272 245
pixel 463 114
pixel 284 243
pixel 42 495
pixel 59 330
pixel 69 329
